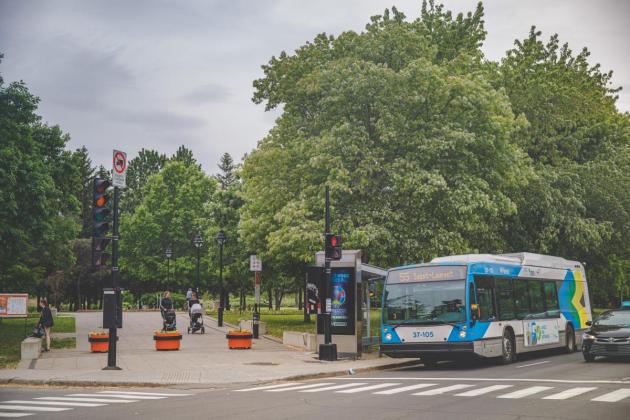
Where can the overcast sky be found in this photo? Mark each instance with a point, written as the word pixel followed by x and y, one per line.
pixel 157 74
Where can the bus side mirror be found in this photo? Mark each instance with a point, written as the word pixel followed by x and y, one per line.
pixel 474 311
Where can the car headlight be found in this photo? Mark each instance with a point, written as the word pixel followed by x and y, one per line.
pixel 587 336
pixel 388 336
pixel 462 334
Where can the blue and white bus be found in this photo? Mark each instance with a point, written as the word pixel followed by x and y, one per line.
pixel 484 305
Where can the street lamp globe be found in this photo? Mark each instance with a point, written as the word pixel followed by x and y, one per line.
pixel 168 253
pixel 198 241
pixel 221 238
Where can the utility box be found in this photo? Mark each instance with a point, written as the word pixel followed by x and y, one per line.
pixel 112 308
pixel 344 291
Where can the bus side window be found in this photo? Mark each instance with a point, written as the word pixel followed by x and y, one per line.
pixel 521 298
pixel 551 299
pixel 485 289
pixel 505 298
pixel 537 299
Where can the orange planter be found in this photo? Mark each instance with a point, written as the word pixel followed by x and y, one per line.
pixel 99 343
pixel 167 340
pixel 239 339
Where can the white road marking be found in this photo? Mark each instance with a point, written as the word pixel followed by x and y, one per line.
pixel 96 400
pixel 149 394
pixel 262 388
pixel 69 404
pixel 27 408
pixel 481 391
pixel 295 388
pixel 403 389
pixel 558 381
pixel 330 388
pixel 614 396
pixel 438 391
pixel 569 393
pixel 525 392
pixel 135 397
pixel 16 414
pixel 366 388
pixel 532 364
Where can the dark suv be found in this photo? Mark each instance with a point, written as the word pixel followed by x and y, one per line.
pixel 608 336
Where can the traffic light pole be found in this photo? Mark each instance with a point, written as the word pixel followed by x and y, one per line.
pixel 328 350
pixel 111 354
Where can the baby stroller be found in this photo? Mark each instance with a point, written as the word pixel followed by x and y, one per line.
pixel 168 319
pixel 196 319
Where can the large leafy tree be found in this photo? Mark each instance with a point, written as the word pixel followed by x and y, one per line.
pixel 402 124
pixel 38 209
pixel 173 209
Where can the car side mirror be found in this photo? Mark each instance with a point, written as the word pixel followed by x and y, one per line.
pixel 589 323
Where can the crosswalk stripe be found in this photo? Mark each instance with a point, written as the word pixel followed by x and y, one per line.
pixel 525 392
pixel 69 404
pixel 443 390
pixel 14 415
pixel 614 396
pixel 403 389
pixel 262 388
pixel 295 388
pixel 96 400
pixel 330 388
pixel 482 391
pixel 28 408
pixel 366 388
pixel 569 393
pixel 135 397
pixel 149 394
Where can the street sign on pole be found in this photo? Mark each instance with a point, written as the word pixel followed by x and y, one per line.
pixel 119 174
pixel 254 263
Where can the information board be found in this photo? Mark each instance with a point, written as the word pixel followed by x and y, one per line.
pixel 13 305
pixel 342 289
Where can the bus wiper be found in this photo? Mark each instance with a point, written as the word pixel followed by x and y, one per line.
pixel 427 322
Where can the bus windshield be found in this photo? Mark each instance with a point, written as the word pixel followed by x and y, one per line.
pixel 425 302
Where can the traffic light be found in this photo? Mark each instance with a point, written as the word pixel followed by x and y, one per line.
pixel 100 222
pixel 333 246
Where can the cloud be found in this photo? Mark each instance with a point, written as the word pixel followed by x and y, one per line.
pixel 209 93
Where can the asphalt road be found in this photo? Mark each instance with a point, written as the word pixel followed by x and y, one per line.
pixel 546 386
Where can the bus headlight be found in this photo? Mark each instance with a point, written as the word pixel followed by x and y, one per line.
pixel 462 334
pixel 388 336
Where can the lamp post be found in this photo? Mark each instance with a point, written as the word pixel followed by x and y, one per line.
pixel 198 241
pixel 168 253
pixel 221 238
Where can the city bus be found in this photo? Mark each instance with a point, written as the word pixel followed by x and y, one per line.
pixel 484 305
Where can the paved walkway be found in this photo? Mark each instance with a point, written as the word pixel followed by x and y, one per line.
pixel 204 359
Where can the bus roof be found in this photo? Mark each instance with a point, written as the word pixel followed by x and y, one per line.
pixel 520 258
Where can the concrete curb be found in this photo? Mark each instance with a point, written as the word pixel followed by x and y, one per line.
pixel 130 384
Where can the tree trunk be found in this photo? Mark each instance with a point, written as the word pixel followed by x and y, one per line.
pixel 270 303
pixel 299 298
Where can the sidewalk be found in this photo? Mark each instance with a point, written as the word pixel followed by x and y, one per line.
pixel 204 359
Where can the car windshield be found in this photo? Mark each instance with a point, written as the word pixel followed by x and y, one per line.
pixel 425 302
pixel 614 318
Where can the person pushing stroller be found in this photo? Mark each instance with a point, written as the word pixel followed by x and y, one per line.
pixel 168 313
pixel 195 312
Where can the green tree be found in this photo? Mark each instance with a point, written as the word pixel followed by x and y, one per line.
pixel 173 209
pixel 140 168
pixel 38 210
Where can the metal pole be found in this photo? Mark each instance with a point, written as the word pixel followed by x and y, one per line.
pixel 113 336
pixel 328 350
pixel 197 282
pixel 168 271
pixel 220 317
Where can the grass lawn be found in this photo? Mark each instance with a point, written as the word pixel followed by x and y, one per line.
pixel 12 333
pixel 288 320
pixel 63 343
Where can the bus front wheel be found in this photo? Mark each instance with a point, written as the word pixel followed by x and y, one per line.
pixel 570 340
pixel 509 348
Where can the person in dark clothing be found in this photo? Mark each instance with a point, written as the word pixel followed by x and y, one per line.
pixel 193 299
pixel 167 302
pixel 168 314
pixel 46 320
